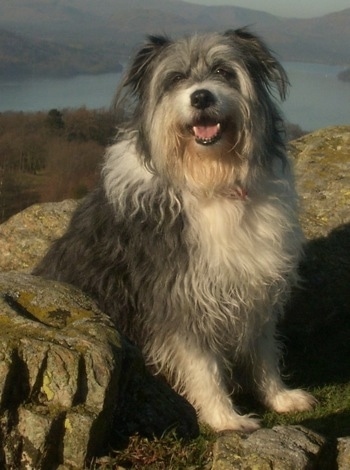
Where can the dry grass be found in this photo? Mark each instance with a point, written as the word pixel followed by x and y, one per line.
pixel 166 453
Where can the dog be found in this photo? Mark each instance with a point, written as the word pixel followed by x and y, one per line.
pixel 191 240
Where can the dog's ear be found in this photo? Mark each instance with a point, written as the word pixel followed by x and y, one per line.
pixel 260 60
pixel 140 66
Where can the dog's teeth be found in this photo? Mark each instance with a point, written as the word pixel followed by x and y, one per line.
pixel 207 134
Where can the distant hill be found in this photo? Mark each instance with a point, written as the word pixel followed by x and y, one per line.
pixel 23 56
pixel 94 34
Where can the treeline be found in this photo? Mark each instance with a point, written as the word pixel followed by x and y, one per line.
pixel 51 156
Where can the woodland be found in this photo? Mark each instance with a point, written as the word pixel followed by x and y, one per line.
pixel 50 156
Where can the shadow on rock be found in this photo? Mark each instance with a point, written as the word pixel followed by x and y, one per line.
pixel 338 423
pixel 317 321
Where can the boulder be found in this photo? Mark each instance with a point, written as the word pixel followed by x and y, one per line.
pixel 279 448
pixel 68 382
pixel 317 321
pixel 343 460
pixel 322 168
pixel 26 236
pixel 61 362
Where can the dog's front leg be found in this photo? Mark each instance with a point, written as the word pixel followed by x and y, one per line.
pixel 199 377
pixel 266 377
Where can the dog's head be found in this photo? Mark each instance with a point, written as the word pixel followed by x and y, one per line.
pixel 203 107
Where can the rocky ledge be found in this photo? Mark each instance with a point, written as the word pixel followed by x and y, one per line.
pixel 70 385
pixel 68 381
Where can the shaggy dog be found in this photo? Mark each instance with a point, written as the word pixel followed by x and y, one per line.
pixel 191 241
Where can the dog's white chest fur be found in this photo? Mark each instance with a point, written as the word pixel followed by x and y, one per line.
pixel 216 225
pixel 240 239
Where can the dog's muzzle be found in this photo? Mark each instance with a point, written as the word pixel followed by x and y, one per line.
pixel 206 130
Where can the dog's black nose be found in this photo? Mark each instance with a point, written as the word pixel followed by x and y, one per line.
pixel 202 99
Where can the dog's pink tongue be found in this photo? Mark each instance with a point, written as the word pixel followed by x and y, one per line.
pixel 206 132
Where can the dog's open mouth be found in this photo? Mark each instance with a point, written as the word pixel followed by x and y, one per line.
pixel 207 133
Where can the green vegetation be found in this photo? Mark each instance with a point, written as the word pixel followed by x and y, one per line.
pixel 331 418
pixel 166 453
pixel 50 156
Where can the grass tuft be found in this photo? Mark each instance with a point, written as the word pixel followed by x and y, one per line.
pixel 165 453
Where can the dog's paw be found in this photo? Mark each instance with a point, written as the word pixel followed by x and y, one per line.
pixel 245 424
pixel 288 401
pixel 236 422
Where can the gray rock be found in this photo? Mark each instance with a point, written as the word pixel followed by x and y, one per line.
pixel 61 361
pixel 69 382
pixel 343 460
pixel 26 236
pixel 280 448
pixel 322 168
pixel 317 321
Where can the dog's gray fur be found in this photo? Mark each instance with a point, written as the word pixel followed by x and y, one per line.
pixel 191 240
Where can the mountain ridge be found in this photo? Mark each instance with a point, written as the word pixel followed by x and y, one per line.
pixel 24 56
pixel 112 32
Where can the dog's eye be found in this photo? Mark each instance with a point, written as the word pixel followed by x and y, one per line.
pixel 177 77
pixel 224 73
pixel 173 79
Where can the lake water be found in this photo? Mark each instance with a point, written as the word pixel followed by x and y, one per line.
pixel 316 98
